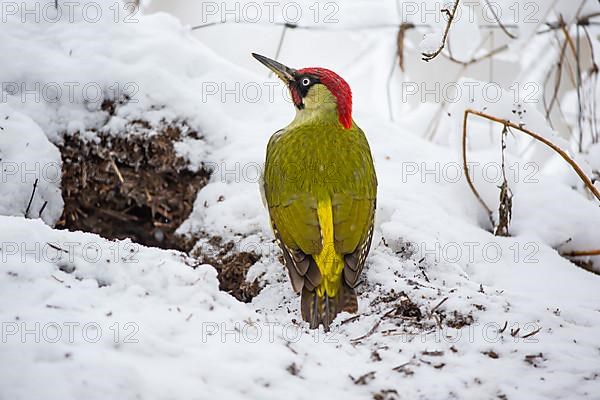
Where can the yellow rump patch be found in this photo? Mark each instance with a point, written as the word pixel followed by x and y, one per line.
pixel 330 263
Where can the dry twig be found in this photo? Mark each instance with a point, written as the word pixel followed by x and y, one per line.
pixel 532 333
pixel 116 169
pixel 451 14
pixel 375 326
pixel 500 24
pixel 31 198
pixel 581 253
pixel 505 204
pixel 439 304
pixel 475 60
pixel 400 42
pixel 42 209
pixel 586 180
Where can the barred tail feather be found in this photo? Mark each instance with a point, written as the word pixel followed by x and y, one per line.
pixel 323 310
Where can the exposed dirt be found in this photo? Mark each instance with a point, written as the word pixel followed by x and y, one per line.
pixel 232 268
pixel 491 354
pixel 535 360
pixel 136 186
pixel 129 187
pixel 406 308
pixel 457 320
pixel 386 394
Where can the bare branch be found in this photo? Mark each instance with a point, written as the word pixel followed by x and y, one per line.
pixel 475 60
pixel 510 35
pixel 581 253
pixel 585 179
pixel 280 44
pixel 430 56
pixel 466 168
pixel 557 82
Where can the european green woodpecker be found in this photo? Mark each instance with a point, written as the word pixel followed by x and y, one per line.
pixel 320 187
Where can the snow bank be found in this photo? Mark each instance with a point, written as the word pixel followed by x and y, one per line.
pixel 30 169
pixel 89 317
pixel 446 309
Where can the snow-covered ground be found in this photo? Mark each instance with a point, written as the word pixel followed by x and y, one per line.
pixel 446 310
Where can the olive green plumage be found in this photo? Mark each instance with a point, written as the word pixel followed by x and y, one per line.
pixel 305 163
pixel 320 188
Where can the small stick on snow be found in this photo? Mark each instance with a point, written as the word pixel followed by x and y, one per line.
pixel 504 327
pixel 289 346
pixel 31 198
pixel 374 328
pixel 55 247
pixel 424 274
pixel 439 304
pixel 42 209
pixel 351 319
pixel 532 333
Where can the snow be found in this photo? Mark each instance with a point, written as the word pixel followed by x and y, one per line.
pixel 431 42
pixel 30 169
pixel 83 316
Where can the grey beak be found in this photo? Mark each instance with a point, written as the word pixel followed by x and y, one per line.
pixel 286 74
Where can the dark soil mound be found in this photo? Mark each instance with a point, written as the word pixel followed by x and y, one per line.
pixel 129 187
pixel 136 186
pixel 232 268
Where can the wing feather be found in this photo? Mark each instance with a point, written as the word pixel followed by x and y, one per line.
pixel 291 189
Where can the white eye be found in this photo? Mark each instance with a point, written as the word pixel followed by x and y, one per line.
pixel 306 81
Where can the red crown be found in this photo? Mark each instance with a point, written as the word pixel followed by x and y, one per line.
pixel 339 88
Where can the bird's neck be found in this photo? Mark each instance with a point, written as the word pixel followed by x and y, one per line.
pixel 320 107
pixel 315 116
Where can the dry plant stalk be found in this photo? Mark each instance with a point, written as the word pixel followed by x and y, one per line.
pixel 475 60
pixel 500 24
pixel 586 180
pixel 505 204
pixel 451 14
pixel 400 42
pixel 581 253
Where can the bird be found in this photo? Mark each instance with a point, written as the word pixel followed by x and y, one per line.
pixel 320 187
